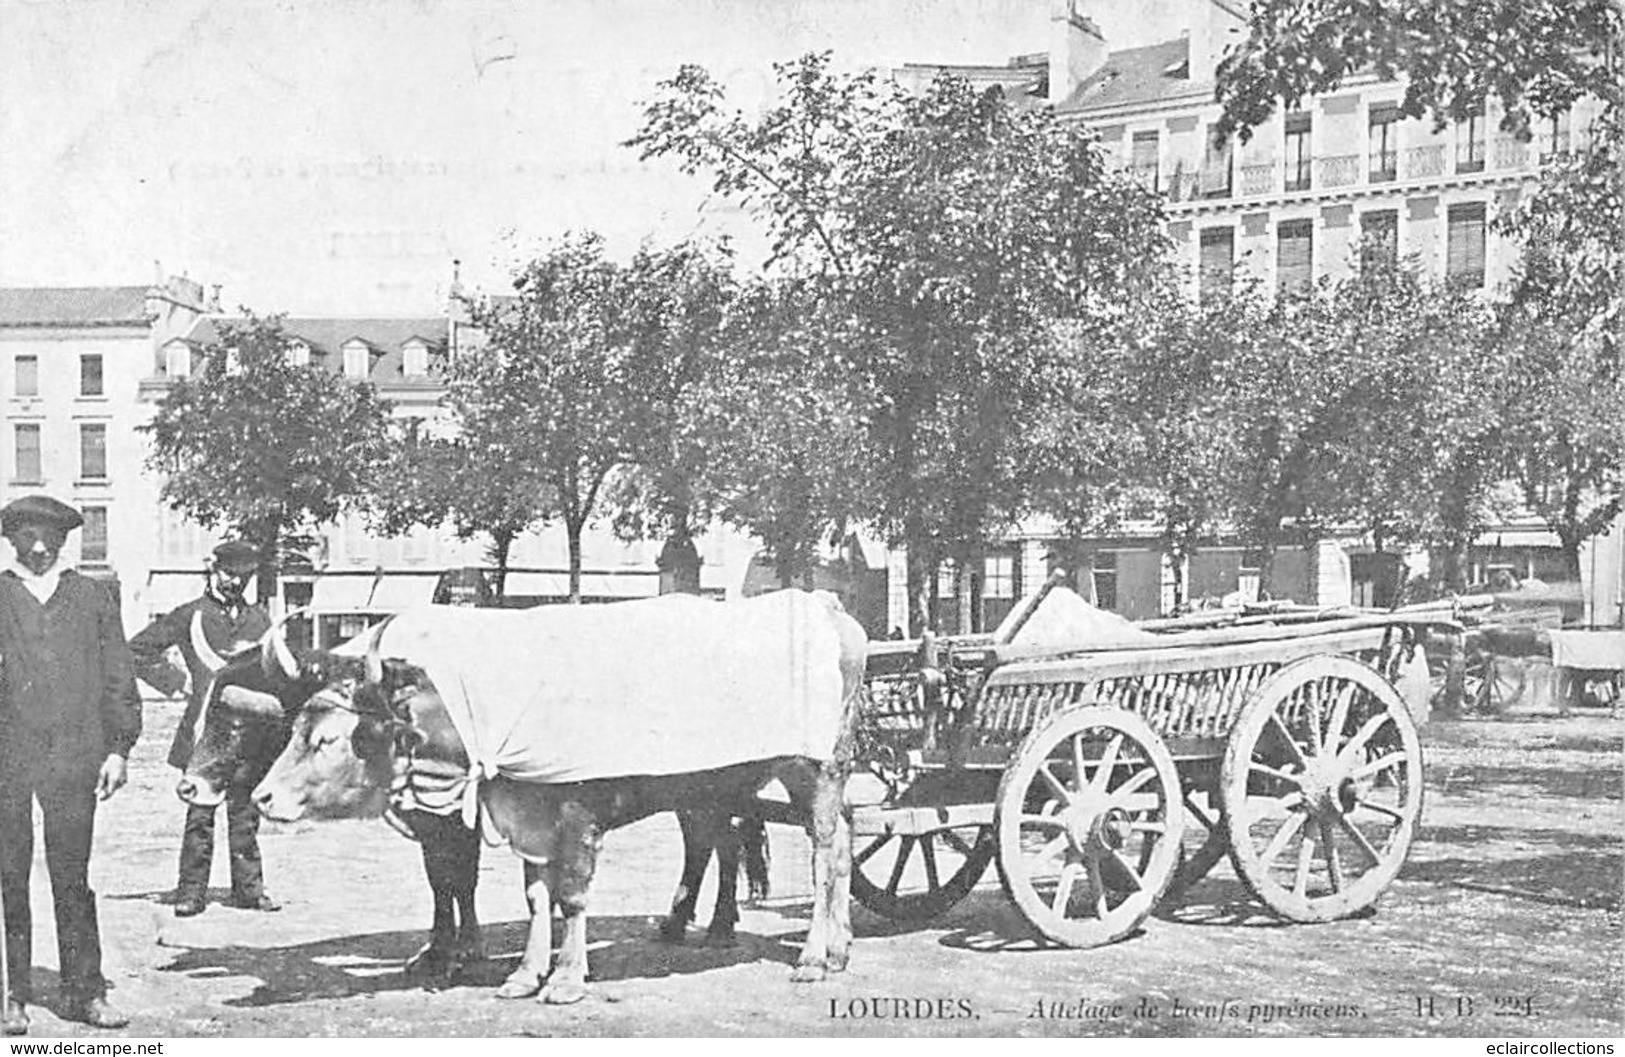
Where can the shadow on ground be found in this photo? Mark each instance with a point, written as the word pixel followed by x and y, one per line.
pixel 620 948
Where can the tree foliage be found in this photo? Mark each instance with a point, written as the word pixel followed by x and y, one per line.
pixel 948 232
pixel 266 448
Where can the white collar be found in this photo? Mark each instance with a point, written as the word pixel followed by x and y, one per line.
pixel 42 586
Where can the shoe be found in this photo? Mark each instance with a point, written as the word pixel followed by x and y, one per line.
pixel 97 1013
pixel 15 1019
pixel 259 902
pixel 187 906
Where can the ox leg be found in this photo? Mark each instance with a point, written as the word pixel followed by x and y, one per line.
pixel 829 937
pixel 726 914
pixel 696 853
pixel 451 862
pixel 757 855
pixel 568 982
pixel 526 979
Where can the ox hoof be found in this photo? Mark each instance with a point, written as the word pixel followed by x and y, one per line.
pixel 807 974
pixel 672 930
pixel 520 986
pixel 721 939
pixel 431 961
pixel 562 994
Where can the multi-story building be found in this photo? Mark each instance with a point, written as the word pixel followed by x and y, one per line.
pixel 71 365
pixel 1313 187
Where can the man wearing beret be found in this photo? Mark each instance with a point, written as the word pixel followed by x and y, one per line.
pixel 69 714
pixel 227 623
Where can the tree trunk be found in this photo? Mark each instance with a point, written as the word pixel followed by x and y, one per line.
pixel 1266 567
pixel 572 529
pixel 501 546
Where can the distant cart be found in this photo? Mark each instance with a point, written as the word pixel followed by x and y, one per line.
pixel 1590 665
pixel 1074 768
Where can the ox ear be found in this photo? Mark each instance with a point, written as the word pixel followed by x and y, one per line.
pixel 244 703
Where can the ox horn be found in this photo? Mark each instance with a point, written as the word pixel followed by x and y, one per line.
pixel 274 647
pixel 201 649
pixel 375 663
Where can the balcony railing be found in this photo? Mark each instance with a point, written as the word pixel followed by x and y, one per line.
pixel 1190 182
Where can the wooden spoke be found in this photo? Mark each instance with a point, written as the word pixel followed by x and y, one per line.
pixel 1278 842
pixel 1055 783
pixel 1306 857
pixel 1384 809
pixel 1147 826
pixel 1047 821
pixel 1340 715
pixel 902 861
pixel 1129 873
pixel 958 843
pixel 1286 736
pixel 863 856
pixel 1275 772
pixel 1381 763
pixel 1363 735
pixel 1063 887
pixel 928 856
pixel 1359 839
pixel 1134 784
pixel 1334 869
pixel 1108 760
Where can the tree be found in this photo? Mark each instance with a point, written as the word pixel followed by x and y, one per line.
pixel 1537 57
pixel 947 233
pixel 267 448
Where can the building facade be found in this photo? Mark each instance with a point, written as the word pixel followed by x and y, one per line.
pixel 1310 191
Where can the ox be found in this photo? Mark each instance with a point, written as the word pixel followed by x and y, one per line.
pixel 377 720
pixel 264 686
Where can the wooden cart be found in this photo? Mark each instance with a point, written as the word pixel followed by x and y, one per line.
pixel 1286 746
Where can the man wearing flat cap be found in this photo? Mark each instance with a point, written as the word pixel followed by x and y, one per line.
pixel 69 714
pixel 207 630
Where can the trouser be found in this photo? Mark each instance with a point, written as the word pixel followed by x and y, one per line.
pixel 67 799
pixel 197 848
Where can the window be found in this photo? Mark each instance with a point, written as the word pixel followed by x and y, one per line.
pixel 298 354
pixel 90 374
pixel 1216 168
pixel 1464 257
pixel 415 359
pixel 1384 143
pixel 234 361
pixel 178 360
pixel 1216 267
pixel 1297 153
pixel 1105 577
pixel 1294 255
pixel 28 376
pixel 93 536
pixel 357 359
pixel 1470 144
pixel 1554 136
pixel 28 454
pixel 92 452
pixel 1000 586
pixel 1379 238
pixel 945 608
pixel 1143 159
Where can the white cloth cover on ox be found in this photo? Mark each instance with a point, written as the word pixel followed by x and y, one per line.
pixel 659 686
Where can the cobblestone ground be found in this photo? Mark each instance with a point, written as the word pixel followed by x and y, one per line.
pixel 1505 922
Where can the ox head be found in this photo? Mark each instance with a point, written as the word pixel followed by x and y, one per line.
pixel 349 740
pixel 247 704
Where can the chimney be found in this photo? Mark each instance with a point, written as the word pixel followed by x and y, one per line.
pixel 1218 25
pixel 1077 48
pixel 214 299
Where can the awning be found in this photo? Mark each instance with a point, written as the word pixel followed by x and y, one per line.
pixel 633 584
pixel 389 593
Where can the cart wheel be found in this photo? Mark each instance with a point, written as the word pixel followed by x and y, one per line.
pixel 1089 819
pixel 1502 686
pixel 1322 789
pixel 919 877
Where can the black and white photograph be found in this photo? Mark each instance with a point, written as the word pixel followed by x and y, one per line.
pixel 812 519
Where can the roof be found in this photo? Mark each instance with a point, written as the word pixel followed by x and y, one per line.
pixel 73 306
pixel 1148 74
pixel 327 338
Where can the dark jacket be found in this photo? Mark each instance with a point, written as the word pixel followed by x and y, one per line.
pixel 65 669
pixel 224 632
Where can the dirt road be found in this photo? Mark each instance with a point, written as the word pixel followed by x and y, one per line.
pixel 1505 922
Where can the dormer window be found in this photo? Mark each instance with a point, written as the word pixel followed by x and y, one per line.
pixel 234 361
pixel 357 359
pixel 298 354
pixel 178 360
pixel 415 358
